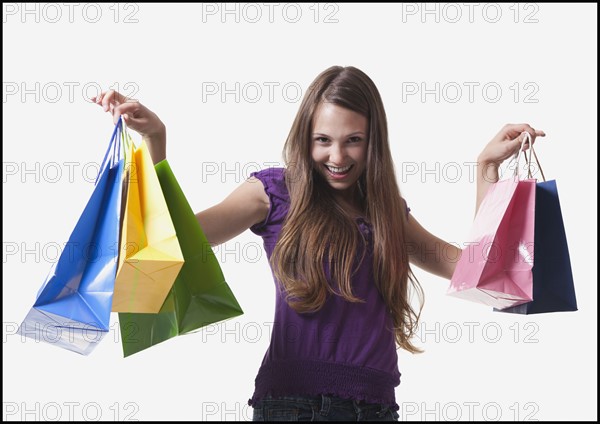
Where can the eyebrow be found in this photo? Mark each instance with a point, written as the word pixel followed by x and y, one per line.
pixel 349 135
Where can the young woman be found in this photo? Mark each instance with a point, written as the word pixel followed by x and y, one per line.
pixel 340 241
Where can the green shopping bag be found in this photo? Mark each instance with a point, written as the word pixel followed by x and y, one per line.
pixel 200 295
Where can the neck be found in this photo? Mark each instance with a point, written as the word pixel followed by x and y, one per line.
pixel 350 200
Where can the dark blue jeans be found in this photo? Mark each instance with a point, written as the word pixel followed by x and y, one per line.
pixel 320 408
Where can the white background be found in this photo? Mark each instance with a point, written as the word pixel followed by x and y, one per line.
pixel 477 364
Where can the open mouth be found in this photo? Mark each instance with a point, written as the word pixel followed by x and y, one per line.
pixel 339 172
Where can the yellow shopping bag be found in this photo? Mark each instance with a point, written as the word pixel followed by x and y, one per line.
pixel 149 257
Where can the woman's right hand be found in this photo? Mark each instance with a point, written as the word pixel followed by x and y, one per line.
pixel 137 117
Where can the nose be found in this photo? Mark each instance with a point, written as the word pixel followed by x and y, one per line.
pixel 337 154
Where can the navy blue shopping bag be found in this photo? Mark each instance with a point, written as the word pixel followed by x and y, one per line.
pixel 73 306
pixel 553 287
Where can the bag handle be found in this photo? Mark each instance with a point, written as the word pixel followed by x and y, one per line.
pixel 110 158
pixel 536 159
pixel 126 137
pixel 528 161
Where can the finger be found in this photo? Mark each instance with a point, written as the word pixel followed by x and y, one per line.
pixel 98 99
pixel 527 128
pixel 107 99
pixel 538 133
pixel 130 108
pixel 515 144
pixel 533 133
pixel 127 118
pixel 113 97
pixel 513 130
pixel 130 120
pixel 115 116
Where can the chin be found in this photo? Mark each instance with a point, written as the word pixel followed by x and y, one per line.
pixel 341 186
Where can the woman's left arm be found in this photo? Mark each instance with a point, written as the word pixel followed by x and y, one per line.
pixel 437 256
pixel 429 252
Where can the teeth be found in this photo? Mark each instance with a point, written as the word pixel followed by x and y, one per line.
pixel 338 170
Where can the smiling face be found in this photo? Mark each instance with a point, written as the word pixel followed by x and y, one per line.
pixel 339 147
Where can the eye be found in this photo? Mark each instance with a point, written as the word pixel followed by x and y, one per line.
pixel 322 139
pixel 355 139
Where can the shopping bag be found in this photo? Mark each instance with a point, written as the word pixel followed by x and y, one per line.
pixel 553 287
pixel 150 257
pixel 200 295
pixel 72 308
pixel 495 268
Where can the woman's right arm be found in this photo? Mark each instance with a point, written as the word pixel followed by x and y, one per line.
pixel 247 205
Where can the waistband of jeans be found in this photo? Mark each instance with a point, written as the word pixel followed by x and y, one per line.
pixel 323 400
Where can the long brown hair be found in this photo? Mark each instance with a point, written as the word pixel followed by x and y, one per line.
pixel 318 229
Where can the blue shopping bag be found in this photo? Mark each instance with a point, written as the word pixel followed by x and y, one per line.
pixel 553 287
pixel 72 309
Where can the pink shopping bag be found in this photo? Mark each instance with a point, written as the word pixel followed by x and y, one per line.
pixel 495 267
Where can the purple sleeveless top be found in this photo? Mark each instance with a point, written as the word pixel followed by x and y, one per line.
pixel 345 349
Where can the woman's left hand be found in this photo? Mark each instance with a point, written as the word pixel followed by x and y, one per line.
pixel 507 142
